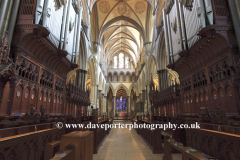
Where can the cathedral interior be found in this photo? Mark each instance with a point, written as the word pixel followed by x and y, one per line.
pixel 119 62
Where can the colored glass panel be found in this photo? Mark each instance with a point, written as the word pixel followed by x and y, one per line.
pixel 121 60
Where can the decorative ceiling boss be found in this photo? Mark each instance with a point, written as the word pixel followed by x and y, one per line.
pixel 122 8
pixel 104 7
pixel 139 7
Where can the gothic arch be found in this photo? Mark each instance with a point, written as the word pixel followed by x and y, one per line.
pixel 119 86
pixel 108 86
pixel 134 86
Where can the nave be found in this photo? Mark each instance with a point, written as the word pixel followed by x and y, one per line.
pixel 96 61
pixel 125 144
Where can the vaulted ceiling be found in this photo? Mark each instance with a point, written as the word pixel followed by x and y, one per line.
pixel 121 26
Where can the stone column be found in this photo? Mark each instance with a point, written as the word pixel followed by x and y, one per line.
pixel 106 105
pixel 167 78
pixel 144 95
pixel 94 94
pixel 114 106
pixel 83 82
pixel 124 61
pixel 128 105
pixel 97 97
pixel 147 96
pixel 159 79
pixel 102 103
pixel 99 101
pixel 78 78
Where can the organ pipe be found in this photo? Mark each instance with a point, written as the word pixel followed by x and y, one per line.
pixel 74 37
pixel 63 25
pixel 67 25
pixel 8 15
pixel 183 26
pixel 209 11
pixel 4 8
pixel 193 23
pixel 13 20
pixel 170 39
pixel 179 25
pixel 201 13
pixel 47 12
pixel 39 10
pixel 78 34
pixel 237 4
pixel 235 20
pixel 166 36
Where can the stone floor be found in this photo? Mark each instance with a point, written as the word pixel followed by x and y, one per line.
pixel 123 144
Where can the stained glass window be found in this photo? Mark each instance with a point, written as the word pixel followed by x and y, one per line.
pixel 126 62
pixel 121 60
pixel 115 62
pixel 121 103
pixel 117 104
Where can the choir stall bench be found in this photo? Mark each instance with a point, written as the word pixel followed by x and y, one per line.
pixel 77 145
pixel 169 145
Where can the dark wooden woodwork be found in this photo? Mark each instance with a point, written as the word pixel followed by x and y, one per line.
pixel 81 142
pixel 217 144
pixel 29 145
pixel 100 134
pixel 208 72
pixel 33 74
pixel 167 101
pixel 152 137
pixel 169 146
pixel 50 149
pixel 70 154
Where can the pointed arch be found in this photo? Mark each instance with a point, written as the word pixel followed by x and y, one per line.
pixel 119 86
pixel 134 86
pixel 108 86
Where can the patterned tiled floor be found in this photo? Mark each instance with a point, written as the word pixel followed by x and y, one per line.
pixel 122 144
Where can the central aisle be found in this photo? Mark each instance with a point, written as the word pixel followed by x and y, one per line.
pixel 122 144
